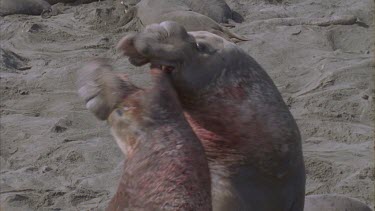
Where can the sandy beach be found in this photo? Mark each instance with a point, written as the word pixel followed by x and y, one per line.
pixel 55 155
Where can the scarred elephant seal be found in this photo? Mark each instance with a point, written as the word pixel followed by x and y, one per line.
pixel 165 166
pixel 250 138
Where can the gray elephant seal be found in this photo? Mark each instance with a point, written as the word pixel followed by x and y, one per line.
pixel 165 166
pixel 71 1
pixel 27 7
pixel 251 140
pixel 214 90
pixel 157 11
pixel 330 202
pixel 32 7
pixel 217 10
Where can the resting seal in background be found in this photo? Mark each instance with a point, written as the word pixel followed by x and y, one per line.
pixel 31 7
pixel 157 11
pixel 217 10
pixel 27 7
pixel 332 202
pixel 165 166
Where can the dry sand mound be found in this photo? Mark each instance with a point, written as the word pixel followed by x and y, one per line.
pixel 55 155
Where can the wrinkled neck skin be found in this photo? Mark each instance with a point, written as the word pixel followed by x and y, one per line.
pixel 167 176
pixel 166 168
pixel 251 140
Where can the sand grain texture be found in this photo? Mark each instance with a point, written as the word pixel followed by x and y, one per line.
pixel 55 154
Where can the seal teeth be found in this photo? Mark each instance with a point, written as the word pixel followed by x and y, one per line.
pixel 128 108
pixel 164 68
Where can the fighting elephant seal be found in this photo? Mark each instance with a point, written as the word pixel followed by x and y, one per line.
pixel 157 11
pixel 220 91
pixel 98 83
pixel 165 166
pixel 251 140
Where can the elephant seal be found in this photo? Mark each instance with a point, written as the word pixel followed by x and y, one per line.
pixel 250 138
pixel 165 166
pixel 98 81
pixel 33 7
pixel 70 1
pixel 27 7
pixel 331 202
pixel 157 11
pixel 234 109
pixel 217 10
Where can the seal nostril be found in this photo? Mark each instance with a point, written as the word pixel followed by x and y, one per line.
pixel 119 112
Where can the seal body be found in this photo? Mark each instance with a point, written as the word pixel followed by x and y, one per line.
pixel 333 202
pixel 70 1
pixel 165 164
pixel 217 10
pixel 251 140
pixel 157 11
pixel 27 7
pixel 32 7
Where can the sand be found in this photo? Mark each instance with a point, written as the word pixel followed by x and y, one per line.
pixel 55 155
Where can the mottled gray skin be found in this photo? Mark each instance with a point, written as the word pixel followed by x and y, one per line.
pixel 71 1
pixel 329 202
pixel 157 11
pixel 217 10
pixel 27 7
pixel 32 7
pixel 165 165
pixel 250 138
pixel 59 1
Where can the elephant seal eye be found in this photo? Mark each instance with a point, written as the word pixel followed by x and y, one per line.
pixel 201 47
pixel 205 48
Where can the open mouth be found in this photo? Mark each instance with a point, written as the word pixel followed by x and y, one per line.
pixel 164 68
